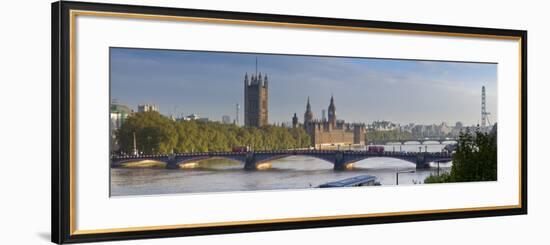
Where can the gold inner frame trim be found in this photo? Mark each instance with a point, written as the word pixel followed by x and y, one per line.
pixel 267 221
pixel 72 70
pixel 72 109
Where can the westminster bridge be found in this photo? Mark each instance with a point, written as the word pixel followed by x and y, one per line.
pixel 251 159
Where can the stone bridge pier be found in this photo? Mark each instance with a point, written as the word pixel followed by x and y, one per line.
pixel 339 161
pixel 422 162
pixel 172 163
pixel 250 161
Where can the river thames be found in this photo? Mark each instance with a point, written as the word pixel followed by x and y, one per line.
pixel 293 172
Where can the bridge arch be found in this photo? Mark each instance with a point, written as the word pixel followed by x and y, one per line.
pixel 383 162
pixel 204 158
pixel 123 162
pixel 351 160
pixel 327 159
pixel 412 142
pixel 431 142
pixel 204 162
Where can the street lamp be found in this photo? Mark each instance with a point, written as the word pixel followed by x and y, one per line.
pixel 402 172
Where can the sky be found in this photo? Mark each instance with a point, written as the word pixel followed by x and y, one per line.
pixel 210 84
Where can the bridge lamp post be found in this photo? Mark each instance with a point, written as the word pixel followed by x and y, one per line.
pixel 402 172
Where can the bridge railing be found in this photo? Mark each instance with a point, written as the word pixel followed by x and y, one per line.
pixel 285 152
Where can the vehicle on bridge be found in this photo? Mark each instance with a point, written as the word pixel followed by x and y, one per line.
pixel 240 149
pixel 375 149
pixel 361 180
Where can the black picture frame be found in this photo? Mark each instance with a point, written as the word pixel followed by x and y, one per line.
pixel 61 116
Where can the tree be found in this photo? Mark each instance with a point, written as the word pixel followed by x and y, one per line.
pixel 158 134
pixel 475 158
pixel 154 133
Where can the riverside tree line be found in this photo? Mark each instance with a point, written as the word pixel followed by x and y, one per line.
pixel 157 134
pixel 389 135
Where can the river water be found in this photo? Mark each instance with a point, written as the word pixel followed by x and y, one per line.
pixel 293 172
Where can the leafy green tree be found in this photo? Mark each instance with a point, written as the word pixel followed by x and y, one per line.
pixel 154 133
pixel 475 158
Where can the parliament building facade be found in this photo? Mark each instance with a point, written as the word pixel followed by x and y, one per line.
pixel 332 131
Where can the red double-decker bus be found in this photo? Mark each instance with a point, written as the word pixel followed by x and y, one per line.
pixel 375 149
pixel 240 149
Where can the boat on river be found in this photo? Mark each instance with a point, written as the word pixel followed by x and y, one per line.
pixel 361 180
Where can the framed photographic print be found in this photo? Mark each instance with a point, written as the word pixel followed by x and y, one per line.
pixel 176 122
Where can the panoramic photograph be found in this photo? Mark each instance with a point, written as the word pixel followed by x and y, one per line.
pixel 204 121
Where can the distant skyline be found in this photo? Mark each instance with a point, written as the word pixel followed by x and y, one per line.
pixel 210 84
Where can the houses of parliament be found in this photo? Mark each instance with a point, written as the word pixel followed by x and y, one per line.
pixel 331 131
pixel 322 132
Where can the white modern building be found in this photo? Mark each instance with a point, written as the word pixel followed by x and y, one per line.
pixel 147 107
